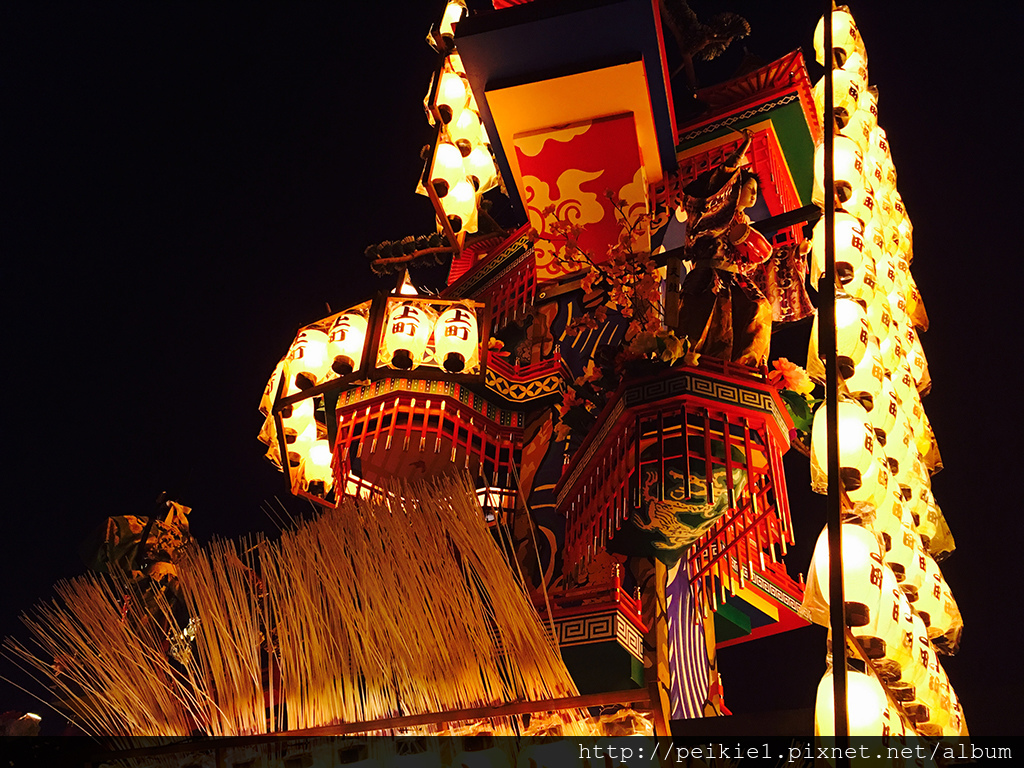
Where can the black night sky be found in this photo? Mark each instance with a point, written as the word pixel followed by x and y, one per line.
pixel 185 185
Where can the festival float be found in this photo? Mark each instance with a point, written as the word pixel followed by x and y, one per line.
pixel 552 490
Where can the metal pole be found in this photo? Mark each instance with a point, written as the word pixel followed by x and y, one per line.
pixel 827 347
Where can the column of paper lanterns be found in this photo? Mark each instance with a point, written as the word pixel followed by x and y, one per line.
pixel 897 603
pixel 321 352
pixel 461 166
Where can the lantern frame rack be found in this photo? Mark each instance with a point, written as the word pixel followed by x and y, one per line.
pixel 325 394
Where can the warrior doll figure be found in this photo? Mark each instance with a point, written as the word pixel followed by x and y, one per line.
pixel 723 312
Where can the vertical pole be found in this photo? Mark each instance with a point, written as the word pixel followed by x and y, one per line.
pixel 658 676
pixel 827 345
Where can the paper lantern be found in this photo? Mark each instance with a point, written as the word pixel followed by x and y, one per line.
pixel 863 120
pixel 862 572
pixel 317 465
pixel 846 37
pixel 453 13
pixel 852 333
pixel 865 383
pixel 919 674
pixel 308 363
pixel 866 705
pixel 466 132
pixel 460 207
pixel 456 339
pixel 901 555
pixel 299 444
pixel 849 248
pixel 890 517
pixel 900 448
pixel 452 96
pixel 448 168
pixel 857 459
pixel 848 170
pixel 882 639
pixel 879 317
pixel 937 608
pixel 857 65
pixel 480 168
pixel 346 340
pixel 917 362
pixel 846 88
pixel 406 334
pixel 861 202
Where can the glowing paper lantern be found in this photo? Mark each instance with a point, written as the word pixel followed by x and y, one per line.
pixel 902 553
pixel 453 13
pixel 849 252
pixel 452 96
pixel 460 207
pixel 861 203
pixel 848 170
pixel 863 120
pixel 308 362
pixel 865 383
pixel 857 65
pixel 852 333
pixel 406 334
pixel 456 339
pixel 480 168
pixel 862 572
pixel 879 317
pixel 846 88
pixel 937 608
pixel 317 465
pixel 866 705
pixel 846 37
pixel 856 441
pixel 467 131
pixel 346 340
pixel 448 168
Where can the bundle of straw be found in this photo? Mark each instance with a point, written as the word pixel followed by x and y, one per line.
pixel 401 605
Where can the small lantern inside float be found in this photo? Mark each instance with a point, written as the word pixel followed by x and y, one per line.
pixel 456 339
pixel 308 358
pixel 406 334
pixel 346 340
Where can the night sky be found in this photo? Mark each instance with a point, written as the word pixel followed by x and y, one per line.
pixel 185 186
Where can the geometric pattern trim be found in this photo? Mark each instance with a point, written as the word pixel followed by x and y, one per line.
pixel 599 628
pixel 728 121
pixel 523 391
pixel 709 388
pixel 450 389
pixel 773 590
